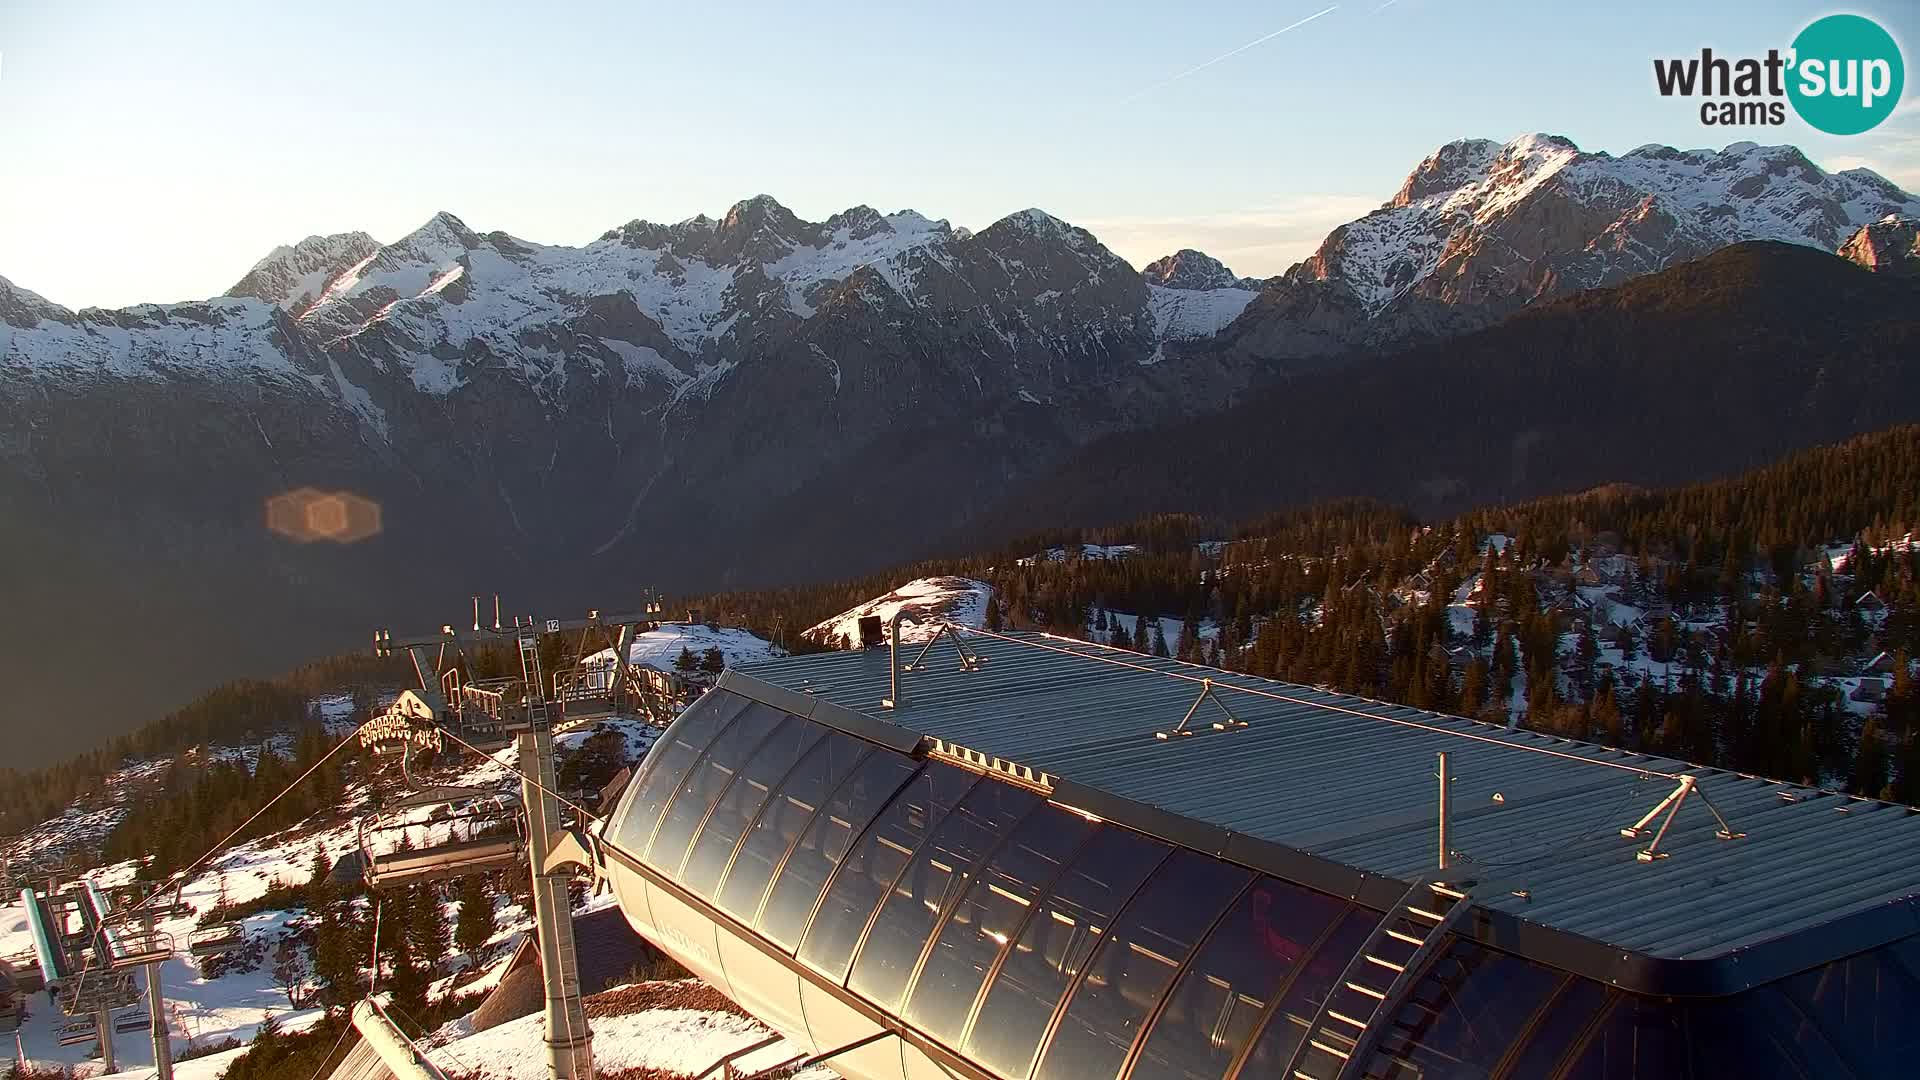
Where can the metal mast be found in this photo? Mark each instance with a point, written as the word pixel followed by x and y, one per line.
pixel 569 1040
pixel 157 1013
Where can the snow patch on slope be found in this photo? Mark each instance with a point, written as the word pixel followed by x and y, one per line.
pixel 951 599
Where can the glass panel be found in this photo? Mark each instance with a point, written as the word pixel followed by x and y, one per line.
pixel 988 916
pixel 703 783
pixel 1055 945
pixel 1758 1036
pixel 743 799
pixel 870 869
pixel 939 871
pixel 785 816
pixel 1565 1020
pixel 1211 1014
pixel 668 761
pixel 1639 1039
pixel 1865 1004
pixel 825 843
pixel 1300 1000
pixel 1462 1015
pixel 1137 962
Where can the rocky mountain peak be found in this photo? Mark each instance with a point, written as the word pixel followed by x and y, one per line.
pixel 443 232
pixel 1194 270
pixel 1888 246
pixel 1453 166
pixel 860 222
pixel 758 229
pixel 24 307
pixel 293 277
pixel 1032 222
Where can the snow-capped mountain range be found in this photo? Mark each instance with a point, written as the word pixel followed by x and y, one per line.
pixel 1480 229
pixel 674 400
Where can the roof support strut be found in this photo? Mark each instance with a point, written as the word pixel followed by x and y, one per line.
pixel 1181 729
pixel 1670 805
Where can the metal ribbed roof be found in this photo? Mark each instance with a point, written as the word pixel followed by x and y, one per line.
pixel 1352 782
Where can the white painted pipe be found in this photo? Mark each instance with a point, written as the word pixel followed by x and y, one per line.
pixel 395 1049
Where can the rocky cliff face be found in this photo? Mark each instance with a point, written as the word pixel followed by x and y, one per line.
pixel 1889 246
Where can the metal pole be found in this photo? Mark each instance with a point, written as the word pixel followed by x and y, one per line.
pixel 1443 809
pixel 103 1025
pixel 569 1040
pixel 157 1013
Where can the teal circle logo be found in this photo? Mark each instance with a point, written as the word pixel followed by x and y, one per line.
pixel 1847 74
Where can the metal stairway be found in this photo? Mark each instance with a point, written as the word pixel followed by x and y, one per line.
pixel 537 718
pixel 1357 1010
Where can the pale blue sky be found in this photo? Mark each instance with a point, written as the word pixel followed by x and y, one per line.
pixel 154 151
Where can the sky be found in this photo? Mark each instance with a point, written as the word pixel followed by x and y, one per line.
pixel 154 151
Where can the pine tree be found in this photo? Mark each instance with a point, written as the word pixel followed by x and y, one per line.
pixel 336 952
pixel 427 928
pixel 1870 762
pixel 686 661
pixel 322 868
pixel 473 919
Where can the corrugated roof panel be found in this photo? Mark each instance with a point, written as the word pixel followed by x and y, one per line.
pixel 1352 782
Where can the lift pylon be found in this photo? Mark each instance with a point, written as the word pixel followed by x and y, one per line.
pixel 525 709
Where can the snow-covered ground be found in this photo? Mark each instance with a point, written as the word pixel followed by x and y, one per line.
pixel 1084 551
pixel 1170 627
pixel 660 648
pixel 674 1040
pixel 951 599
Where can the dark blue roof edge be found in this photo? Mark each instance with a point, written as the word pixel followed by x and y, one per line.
pixel 1638 972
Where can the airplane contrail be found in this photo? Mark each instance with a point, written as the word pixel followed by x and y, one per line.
pixel 1385 6
pixel 1163 83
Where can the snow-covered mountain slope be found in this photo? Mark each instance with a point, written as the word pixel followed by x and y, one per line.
pixel 1475 208
pixel 1481 228
pixel 947 599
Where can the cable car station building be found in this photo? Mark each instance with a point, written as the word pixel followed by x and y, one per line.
pixel 1025 857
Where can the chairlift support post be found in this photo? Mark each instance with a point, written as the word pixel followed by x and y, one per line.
pixel 103 1024
pixel 157 1013
pixel 569 1039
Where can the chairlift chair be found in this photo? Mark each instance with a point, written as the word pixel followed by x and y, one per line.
pixel 94 989
pixel 217 939
pixel 481 839
pixel 135 946
pixel 75 1032
pixel 132 1020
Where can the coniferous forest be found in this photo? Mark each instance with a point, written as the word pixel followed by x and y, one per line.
pixel 1710 622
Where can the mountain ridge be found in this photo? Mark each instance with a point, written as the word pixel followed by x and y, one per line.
pixel 560 419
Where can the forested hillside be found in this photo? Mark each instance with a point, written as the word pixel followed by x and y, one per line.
pixel 1765 622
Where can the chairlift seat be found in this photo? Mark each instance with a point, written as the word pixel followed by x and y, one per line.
pixel 442 793
pixel 93 990
pixel 136 947
pixel 445 861
pixel 132 1020
pixel 217 940
pixel 75 1032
